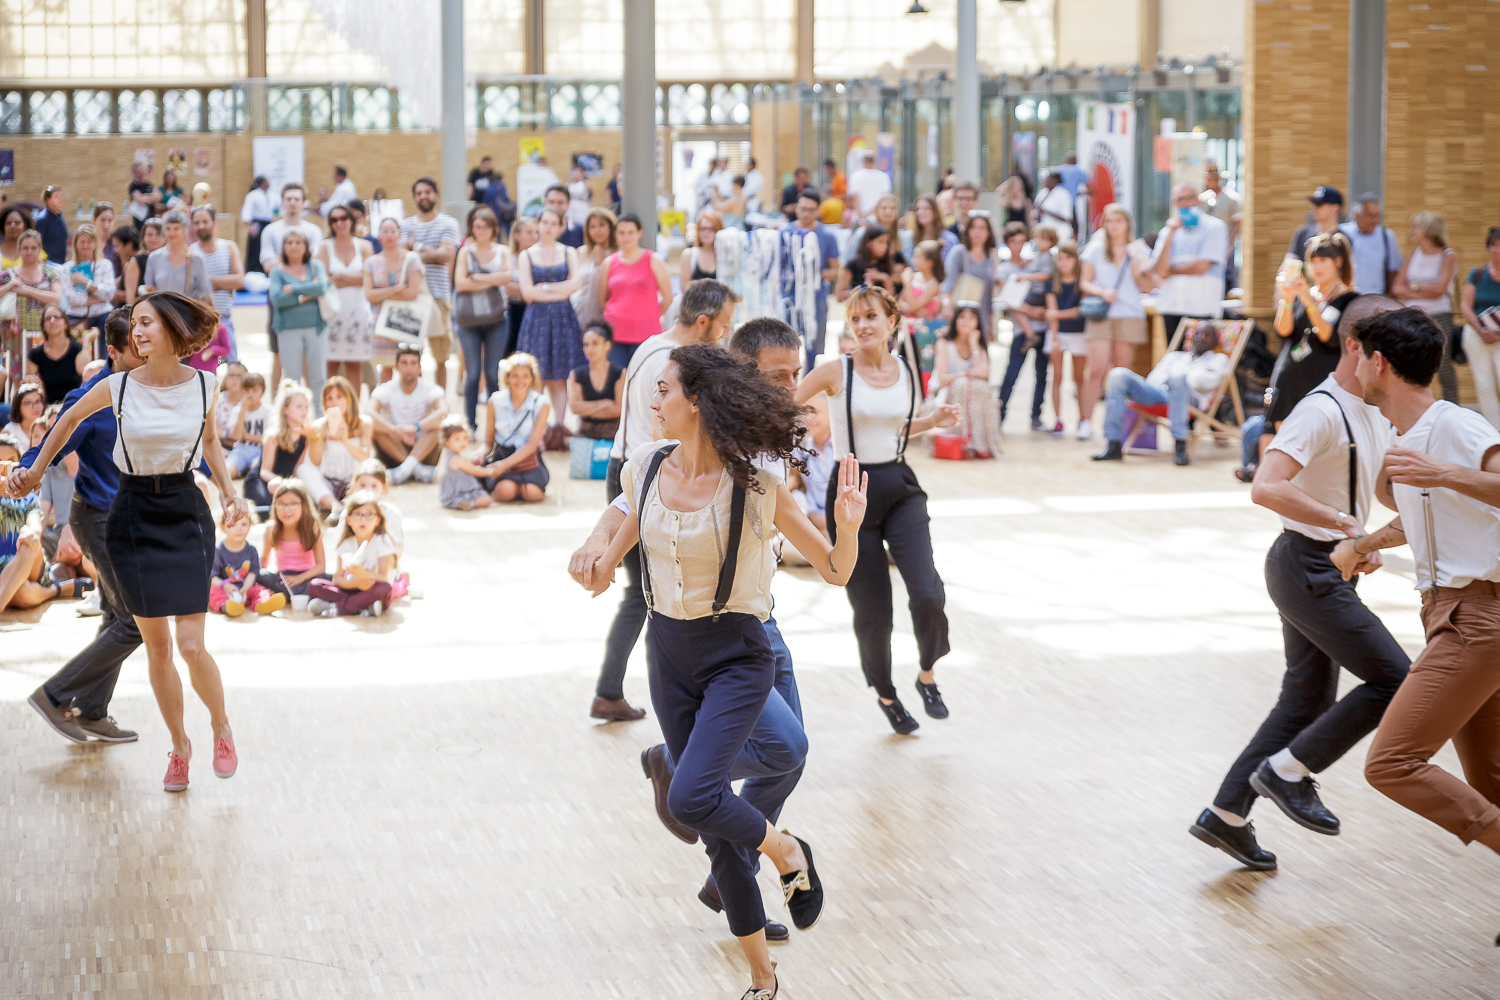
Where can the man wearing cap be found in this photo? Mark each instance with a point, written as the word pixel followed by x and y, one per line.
pixel 1326 202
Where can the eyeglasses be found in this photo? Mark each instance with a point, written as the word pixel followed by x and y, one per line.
pixel 360 515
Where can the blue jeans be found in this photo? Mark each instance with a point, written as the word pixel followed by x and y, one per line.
pixel 486 342
pixel 309 346
pixel 1125 386
pixel 814 345
pixel 1018 349
pixel 1250 441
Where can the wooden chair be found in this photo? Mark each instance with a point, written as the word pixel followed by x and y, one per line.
pixel 1234 335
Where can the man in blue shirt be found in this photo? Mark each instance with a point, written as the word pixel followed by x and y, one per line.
pixel 1073 176
pixel 1377 255
pixel 75 701
pixel 828 252
pixel 1190 253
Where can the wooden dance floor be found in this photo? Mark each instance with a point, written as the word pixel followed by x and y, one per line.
pixel 424 809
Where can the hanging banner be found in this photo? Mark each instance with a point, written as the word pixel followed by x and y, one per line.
pixel 1023 149
pixel 1106 147
pixel 279 160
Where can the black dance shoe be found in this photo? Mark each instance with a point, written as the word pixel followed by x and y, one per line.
pixel 1179 453
pixel 1298 799
pixel 709 897
pixel 754 994
pixel 1236 841
pixel 803 891
pixel 899 718
pixel 654 762
pixel 932 701
pixel 1112 453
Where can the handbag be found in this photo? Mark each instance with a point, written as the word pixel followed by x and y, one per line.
pixel 506 450
pixel 588 458
pixel 968 288
pixel 8 306
pixel 329 304
pixel 485 307
pixel 955 447
pixel 1094 307
pixel 404 321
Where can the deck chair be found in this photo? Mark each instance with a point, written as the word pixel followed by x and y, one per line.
pixel 1234 335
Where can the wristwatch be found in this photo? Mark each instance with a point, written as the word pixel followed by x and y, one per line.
pixel 1340 519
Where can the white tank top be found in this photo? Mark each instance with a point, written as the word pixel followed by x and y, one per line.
pixel 1425 268
pixel 160 428
pixel 881 416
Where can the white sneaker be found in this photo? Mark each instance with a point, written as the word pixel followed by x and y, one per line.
pixel 89 606
pixel 402 472
pixel 319 608
pixel 424 473
pixel 373 611
pixel 1085 430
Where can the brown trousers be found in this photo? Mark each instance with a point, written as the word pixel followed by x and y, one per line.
pixel 1452 692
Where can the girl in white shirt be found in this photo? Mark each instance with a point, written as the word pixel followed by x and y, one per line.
pixel 705 518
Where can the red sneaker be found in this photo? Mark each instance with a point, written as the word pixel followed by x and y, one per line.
pixel 225 760
pixel 177 773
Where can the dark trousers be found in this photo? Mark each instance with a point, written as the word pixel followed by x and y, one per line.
pixel 709 682
pixel 1324 625
pixel 88 679
pixel 896 516
pixel 483 347
pixel 630 617
pixel 1019 345
pixel 276 585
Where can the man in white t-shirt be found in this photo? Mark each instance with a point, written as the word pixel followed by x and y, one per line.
pixel 293 200
pixel 1054 207
pixel 1322 489
pixel 754 181
pixel 407 412
pixel 704 317
pixel 866 187
pixel 343 192
pixel 1443 478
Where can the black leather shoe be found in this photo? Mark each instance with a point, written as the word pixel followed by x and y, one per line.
pixel 1179 453
pixel 804 892
pixel 1298 799
pixel 932 701
pixel 654 763
pixel 1236 841
pixel 1112 453
pixel 899 718
pixel 709 897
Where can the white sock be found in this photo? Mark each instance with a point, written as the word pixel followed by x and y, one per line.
pixel 1231 818
pixel 423 473
pixel 1287 767
pixel 408 464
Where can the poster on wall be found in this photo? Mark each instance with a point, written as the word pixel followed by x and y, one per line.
pixel 885 154
pixel 532 182
pixel 147 157
pixel 854 158
pixel 533 149
pixel 1186 165
pixel 7 167
pixel 592 163
pixel 1023 148
pixel 1106 147
pixel 279 160
pixel 203 161
pixel 177 159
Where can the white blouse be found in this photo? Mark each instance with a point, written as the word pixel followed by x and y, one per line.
pixel 685 549
pixel 160 427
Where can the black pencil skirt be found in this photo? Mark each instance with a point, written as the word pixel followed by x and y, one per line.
pixel 160 537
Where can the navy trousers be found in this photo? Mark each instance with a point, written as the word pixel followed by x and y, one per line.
pixel 709 684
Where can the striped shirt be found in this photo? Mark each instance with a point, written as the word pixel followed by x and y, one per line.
pixel 217 264
pixel 442 229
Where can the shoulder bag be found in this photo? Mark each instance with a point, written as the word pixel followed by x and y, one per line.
pixel 404 321
pixel 1094 307
pixel 485 307
pixel 330 301
pixel 505 450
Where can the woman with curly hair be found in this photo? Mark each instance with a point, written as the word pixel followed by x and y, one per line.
pixel 874 414
pixel 160 534
pixel 711 665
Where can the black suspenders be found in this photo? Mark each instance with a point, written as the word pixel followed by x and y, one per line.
pixel 731 554
pixel 911 411
pixel 1353 454
pixel 120 428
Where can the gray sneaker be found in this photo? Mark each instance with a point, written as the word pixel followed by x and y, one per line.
pixel 63 720
pixel 373 611
pixel 106 730
pixel 322 609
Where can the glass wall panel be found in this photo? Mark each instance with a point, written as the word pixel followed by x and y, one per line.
pixel 86 40
pixel 90 111
pixel 702 40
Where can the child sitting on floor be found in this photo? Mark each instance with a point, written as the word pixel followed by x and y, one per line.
pixel 371 475
pixel 249 428
pixel 366 557
pixel 236 580
pixel 295 537
pixel 459 488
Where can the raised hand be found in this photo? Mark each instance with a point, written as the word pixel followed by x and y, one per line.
pixel 946 415
pixel 850 503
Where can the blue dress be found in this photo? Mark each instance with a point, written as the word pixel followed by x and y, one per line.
pixel 549 330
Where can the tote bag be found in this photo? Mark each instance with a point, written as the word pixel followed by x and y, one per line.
pixel 588 458
pixel 404 321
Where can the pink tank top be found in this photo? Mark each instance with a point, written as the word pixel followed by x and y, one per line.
pixel 632 308
pixel 291 557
